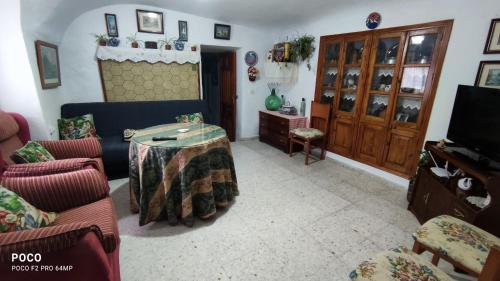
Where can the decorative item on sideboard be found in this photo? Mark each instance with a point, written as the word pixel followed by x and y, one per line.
pixel 132 39
pixel 167 43
pixel 179 45
pixel 273 102
pixel 101 39
pixel 114 42
pixel 150 45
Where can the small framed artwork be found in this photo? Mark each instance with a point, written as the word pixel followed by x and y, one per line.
pixel 149 21
pixel 222 31
pixel 493 43
pixel 183 30
pixel 488 74
pixel 111 25
pixel 48 64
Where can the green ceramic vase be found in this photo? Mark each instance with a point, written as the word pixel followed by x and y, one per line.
pixel 273 102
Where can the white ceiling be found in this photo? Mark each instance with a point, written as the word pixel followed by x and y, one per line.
pixel 56 15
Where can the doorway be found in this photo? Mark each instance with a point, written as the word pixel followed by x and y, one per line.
pixel 219 86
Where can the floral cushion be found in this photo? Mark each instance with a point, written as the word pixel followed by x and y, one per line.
pixel 307 133
pixel 77 127
pixel 398 264
pixel 32 152
pixel 196 118
pixel 460 241
pixel 17 214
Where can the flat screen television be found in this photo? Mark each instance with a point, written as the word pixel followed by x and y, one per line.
pixel 475 121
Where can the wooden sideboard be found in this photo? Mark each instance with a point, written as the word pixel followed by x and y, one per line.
pixel 433 196
pixel 274 128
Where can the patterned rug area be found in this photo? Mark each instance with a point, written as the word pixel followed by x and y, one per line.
pixel 290 222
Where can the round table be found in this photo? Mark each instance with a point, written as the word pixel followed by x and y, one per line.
pixel 178 179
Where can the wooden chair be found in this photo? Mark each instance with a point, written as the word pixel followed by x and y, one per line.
pixel 313 137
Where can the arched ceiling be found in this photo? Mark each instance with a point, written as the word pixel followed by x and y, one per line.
pixel 56 15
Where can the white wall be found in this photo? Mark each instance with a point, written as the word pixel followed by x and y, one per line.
pixel 465 49
pixel 81 82
pixel 18 90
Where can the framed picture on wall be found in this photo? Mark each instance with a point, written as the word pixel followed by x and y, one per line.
pixel 488 74
pixel 183 30
pixel 48 64
pixel 222 31
pixel 493 43
pixel 149 21
pixel 111 25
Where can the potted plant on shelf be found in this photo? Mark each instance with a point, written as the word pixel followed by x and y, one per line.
pixel 193 48
pixel 101 39
pixel 303 49
pixel 132 39
pixel 167 43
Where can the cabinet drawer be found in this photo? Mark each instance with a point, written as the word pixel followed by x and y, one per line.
pixel 460 210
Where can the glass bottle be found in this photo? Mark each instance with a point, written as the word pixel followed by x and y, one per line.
pixel 282 100
pixel 303 107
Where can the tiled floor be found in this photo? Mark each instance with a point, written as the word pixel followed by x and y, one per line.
pixel 290 222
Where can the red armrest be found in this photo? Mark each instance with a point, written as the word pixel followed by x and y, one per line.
pixel 24 129
pixel 59 192
pixel 43 240
pixel 80 148
pixel 50 167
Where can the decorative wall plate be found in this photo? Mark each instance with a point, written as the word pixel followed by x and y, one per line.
pixel 373 20
pixel 251 58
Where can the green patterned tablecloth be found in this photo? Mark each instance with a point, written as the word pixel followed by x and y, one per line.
pixel 181 178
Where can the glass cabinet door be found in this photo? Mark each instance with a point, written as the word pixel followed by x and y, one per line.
pixel 330 72
pixel 382 80
pixel 351 75
pixel 420 52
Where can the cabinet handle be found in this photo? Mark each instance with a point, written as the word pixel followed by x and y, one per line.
pixel 426 198
pixel 458 213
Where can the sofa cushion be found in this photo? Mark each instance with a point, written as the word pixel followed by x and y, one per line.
pixel 8 127
pixel 17 214
pixel 100 213
pixel 196 118
pixel 32 152
pixel 76 127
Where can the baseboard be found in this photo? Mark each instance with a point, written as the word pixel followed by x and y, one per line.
pixel 372 170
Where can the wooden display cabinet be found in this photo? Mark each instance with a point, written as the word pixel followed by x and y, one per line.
pixel 433 196
pixel 381 84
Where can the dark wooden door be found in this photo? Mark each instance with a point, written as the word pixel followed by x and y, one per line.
pixel 228 94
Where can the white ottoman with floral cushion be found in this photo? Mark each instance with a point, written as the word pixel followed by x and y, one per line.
pixel 460 241
pixel 398 264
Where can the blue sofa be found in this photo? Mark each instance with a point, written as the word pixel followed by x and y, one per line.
pixel 111 118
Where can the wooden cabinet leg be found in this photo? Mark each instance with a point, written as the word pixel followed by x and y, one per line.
pixel 290 149
pixel 435 259
pixel 417 248
pixel 307 150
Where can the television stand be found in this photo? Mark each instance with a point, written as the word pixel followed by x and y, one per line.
pixel 432 196
pixel 470 155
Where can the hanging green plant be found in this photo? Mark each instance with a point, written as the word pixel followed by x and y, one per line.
pixel 303 49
